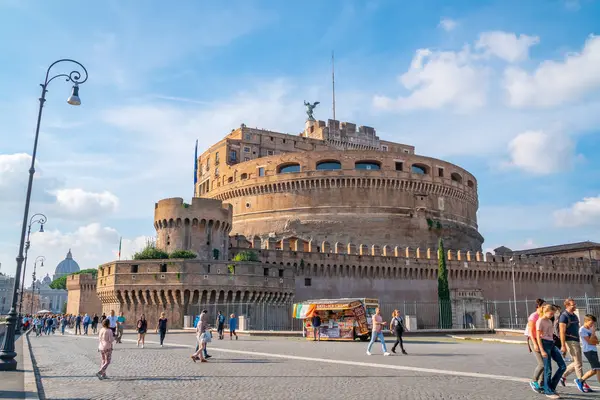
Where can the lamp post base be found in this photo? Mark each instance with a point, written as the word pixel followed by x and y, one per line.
pixel 8 354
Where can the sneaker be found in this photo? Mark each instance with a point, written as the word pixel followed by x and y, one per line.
pixel 394 351
pixel 579 384
pixel 552 396
pixel 404 352
pixel 142 346
pixel 236 337
pixel 208 356
pixel 368 353
pixel 587 388
pixel 563 381
pixel 99 375
pixel 386 354
pixel 161 345
pixel 535 387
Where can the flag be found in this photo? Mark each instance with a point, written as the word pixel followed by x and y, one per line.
pixel 120 240
pixel 196 166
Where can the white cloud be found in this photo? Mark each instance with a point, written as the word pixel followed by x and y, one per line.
pixel 554 83
pixel 448 24
pixel 78 202
pixel 541 153
pixel 581 213
pixel 439 79
pixel 14 175
pixel 505 45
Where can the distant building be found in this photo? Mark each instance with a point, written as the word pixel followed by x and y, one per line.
pixel 581 250
pixel 67 266
pixel 6 290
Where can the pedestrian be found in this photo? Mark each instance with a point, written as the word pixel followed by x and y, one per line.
pixel 549 352
pixel 589 340
pixel 202 338
pixel 142 327
pixel 397 326
pixel 377 332
pixel 232 327
pixel 568 324
pixel 161 327
pixel 112 319
pixel 203 323
pixel 531 332
pixel 86 323
pixel 63 325
pixel 316 325
pixel 95 324
pixel 38 325
pixel 120 326
pixel 78 324
pixel 105 346
pixel 220 324
pixel 103 317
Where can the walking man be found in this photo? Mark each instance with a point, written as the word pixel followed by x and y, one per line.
pixel 220 324
pixel 316 324
pixel 377 332
pixel 568 325
pixel 120 325
pixel 78 324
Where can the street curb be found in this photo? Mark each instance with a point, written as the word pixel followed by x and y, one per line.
pixel 479 339
pixel 30 378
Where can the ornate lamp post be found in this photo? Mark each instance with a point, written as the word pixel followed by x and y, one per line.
pixel 7 354
pixel 41 219
pixel 38 258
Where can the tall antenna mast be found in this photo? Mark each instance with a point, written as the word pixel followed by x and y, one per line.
pixel 333 82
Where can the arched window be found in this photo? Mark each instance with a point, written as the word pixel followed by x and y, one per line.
pixel 287 168
pixel 419 169
pixel 371 165
pixel 328 165
pixel 456 177
pixel 244 176
pixel 230 179
pixel 470 183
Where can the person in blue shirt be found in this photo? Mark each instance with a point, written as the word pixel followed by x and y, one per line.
pixel 232 327
pixel 220 324
pixel 589 340
pixel 86 323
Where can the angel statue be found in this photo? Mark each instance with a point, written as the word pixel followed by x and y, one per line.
pixel 309 109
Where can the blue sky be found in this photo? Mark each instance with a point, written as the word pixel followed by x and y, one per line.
pixel 507 89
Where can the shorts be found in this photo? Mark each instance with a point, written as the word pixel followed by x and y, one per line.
pixel 592 357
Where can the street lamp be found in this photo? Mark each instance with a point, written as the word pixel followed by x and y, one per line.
pixel 512 264
pixel 7 354
pixel 41 219
pixel 38 258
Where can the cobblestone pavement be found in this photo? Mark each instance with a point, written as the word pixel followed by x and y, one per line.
pixel 276 368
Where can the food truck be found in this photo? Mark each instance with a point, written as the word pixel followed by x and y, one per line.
pixel 341 319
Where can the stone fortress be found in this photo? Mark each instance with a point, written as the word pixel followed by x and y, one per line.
pixel 332 212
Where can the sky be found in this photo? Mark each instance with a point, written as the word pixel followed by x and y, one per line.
pixel 509 90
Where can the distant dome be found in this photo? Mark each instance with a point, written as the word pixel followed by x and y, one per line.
pixel 47 280
pixel 66 266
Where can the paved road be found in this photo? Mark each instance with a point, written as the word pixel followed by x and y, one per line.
pixel 276 368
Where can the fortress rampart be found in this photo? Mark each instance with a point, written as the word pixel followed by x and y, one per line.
pixel 82 296
pixel 202 226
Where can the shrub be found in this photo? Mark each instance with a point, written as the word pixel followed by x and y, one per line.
pixel 150 252
pixel 61 283
pixel 183 254
pixel 246 255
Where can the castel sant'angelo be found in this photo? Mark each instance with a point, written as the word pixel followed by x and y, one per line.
pixel 335 211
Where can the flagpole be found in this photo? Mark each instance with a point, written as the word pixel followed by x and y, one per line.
pixel 120 240
pixel 195 167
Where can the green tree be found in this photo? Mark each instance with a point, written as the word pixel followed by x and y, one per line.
pixel 183 254
pixel 150 252
pixel 61 283
pixel 246 255
pixel 443 289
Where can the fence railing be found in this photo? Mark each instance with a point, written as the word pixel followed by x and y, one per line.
pixel 455 314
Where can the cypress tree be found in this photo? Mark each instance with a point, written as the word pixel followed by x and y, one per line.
pixel 445 314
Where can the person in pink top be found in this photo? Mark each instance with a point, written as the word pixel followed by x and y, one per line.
pixel 377 332
pixel 105 347
pixel 549 351
pixel 531 333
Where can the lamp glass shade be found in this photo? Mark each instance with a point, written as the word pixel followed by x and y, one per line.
pixel 74 99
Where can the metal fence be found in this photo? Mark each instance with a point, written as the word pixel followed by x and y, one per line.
pixel 456 314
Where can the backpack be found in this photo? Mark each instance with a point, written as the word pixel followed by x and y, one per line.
pixel 221 319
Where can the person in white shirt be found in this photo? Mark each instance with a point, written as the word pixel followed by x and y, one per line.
pixel 112 318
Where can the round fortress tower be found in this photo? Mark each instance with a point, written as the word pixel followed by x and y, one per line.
pixel 202 227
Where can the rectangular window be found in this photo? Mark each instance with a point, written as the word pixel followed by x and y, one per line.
pixel 406 151
pixel 233 155
pixel 246 149
pixel 398 166
pixel 441 172
pixel 134 269
pixel 261 171
pixel 248 136
pixel 281 273
pixel 307 282
pixel 266 271
pixel 384 148
pixel 208 269
pixel 246 158
pixel 217 171
pixel 217 156
pixel 163 267
pixel 269 152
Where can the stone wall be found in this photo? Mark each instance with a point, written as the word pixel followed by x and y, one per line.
pixel 83 298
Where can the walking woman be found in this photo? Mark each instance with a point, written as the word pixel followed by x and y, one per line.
pixel 549 351
pixel 537 380
pixel 161 327
pixel 142 327
pixel 106 338
pixel 397 326
pixel 202 335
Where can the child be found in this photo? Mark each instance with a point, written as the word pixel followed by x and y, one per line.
pixel 549 352
pixel 589 340
pixel 232 327
pixel 105 346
